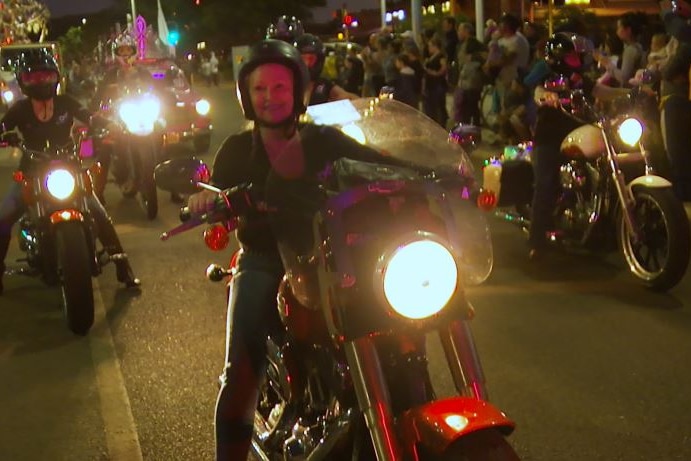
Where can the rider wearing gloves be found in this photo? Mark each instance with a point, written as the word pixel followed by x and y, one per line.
pixel 320 89
pixel 566 54
pixel 271 86
pixel 46 117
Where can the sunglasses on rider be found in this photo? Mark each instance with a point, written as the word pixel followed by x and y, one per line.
pixel 39 77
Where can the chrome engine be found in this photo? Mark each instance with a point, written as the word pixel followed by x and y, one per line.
pixel 297 424
pixel 576 207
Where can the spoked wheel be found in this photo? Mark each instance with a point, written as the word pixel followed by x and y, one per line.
pixel 489 116
pixel 660 256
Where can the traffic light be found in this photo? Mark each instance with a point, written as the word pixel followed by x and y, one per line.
pixel 173 34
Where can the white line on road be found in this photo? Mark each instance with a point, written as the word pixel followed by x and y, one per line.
pixel 121 431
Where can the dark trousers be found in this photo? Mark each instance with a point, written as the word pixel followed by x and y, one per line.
pixel 676 122
pixel 434 105
pixel 551 128
pixel 251 307
pixel 466 105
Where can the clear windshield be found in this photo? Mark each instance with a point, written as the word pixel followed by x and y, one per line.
pixel 402 132
pixel 395 128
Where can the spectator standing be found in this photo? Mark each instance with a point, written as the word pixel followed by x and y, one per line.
pixel 471 56
pixel 374 74
pixel 205 69
pixel 213 68
pixel 451 41
pixel 629 28
pixel 434 92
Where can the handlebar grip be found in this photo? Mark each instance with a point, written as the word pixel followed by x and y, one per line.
pixel 185 214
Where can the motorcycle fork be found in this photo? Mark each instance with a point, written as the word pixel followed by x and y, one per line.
pixel 373 397
pixel 625 195
pixel 463 359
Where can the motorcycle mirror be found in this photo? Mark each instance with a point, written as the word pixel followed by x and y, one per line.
pixel 181 175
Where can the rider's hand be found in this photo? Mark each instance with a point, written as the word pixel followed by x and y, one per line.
pixel 201 202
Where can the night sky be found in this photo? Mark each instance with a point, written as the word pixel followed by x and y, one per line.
pixel 73 7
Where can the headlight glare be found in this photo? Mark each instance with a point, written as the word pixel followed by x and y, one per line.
pixel 60 184
pixel 202 107
pixel 419 278
pixel 630 131
pixel 141 114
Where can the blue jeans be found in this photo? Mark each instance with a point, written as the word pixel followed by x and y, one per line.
pixel 251 308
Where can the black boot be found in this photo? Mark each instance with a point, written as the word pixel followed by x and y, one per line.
pixel 111 242
pixel 123 270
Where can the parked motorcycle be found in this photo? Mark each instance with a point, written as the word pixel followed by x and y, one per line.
pixel 608 188
pixel 136 150
pixel 57 233
pixel 376 257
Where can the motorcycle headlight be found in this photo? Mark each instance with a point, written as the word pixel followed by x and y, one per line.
pixel 418 278
pixel 140 115
pixel 8 96
pixel 60 184
pixel 202 107
pixel 630 131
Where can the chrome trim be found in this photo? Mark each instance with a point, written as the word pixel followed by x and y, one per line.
pixel 373 397
pixel 463 359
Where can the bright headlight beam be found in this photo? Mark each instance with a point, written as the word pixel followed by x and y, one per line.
pixel 60 184
pixel 355 132
pixel 420 278
pixel 202 107
pixel 630 131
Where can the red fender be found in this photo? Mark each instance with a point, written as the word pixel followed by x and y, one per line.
pixel 436 425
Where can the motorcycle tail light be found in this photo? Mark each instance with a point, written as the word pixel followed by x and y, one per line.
pixel 216 237
pixel 487 200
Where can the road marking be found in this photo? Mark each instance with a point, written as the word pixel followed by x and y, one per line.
pixel 122 440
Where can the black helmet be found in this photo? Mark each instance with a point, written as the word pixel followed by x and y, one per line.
pixel 311 44
pixel 286 28
pixel 273 52
pixel 38 74
pixel 565 52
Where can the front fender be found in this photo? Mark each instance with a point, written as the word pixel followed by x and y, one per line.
pixel 436 425
pixel 650 180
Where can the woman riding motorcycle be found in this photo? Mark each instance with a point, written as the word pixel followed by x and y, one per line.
pixel 271 86
pixel 46 117
pixel 566 54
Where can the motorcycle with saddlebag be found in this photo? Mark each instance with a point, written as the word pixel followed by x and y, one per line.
pixel 376 258
pixel 607 188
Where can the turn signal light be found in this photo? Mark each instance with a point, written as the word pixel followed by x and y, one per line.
pixel 487 200
pixel 216 237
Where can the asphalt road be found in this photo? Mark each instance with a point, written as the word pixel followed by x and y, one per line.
pixel 589 364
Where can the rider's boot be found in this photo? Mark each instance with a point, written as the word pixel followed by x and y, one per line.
pixel 111 242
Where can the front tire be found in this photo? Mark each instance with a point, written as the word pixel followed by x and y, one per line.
pixel 74 266
pixel 661 256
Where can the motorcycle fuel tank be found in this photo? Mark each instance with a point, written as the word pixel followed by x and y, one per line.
pixel 585 141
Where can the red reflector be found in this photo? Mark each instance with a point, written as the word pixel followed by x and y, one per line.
pixel 487 200
pixel 18 176
pixel 216 237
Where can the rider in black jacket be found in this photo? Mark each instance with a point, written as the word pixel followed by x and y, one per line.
pixel 46 117
pixel 320 89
